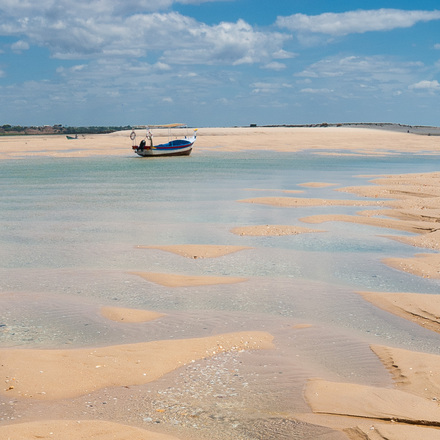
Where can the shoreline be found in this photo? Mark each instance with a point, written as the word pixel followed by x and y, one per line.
pixel 316 140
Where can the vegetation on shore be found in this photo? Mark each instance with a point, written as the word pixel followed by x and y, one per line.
pixel 11 130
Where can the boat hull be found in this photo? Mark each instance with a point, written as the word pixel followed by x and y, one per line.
pixel 173 148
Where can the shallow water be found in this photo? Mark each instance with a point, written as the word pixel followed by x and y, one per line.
pixel 69 234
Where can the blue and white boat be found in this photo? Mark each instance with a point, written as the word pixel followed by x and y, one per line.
pixel 175 147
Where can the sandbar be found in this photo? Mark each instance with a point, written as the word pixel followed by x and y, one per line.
pixel 430 240
pixel 316 184
pixel 410 408
pixel 176 280
pixel 271 230
pixel 414 226
pixel 423 265
pixel 414 372
pixel 58 374
pixel 423 309
pixel 78 430
pixel 320 140
pixel 302 202
pixel 286 191
pixel 197 250
pixel 120 314
pixel 376 403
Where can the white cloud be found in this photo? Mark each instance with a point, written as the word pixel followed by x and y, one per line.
pixel 365 68
pixel 225 43
pixel 283 55
pixel 316 91
pixel 84 29
pixel 268 87
pixel 19 46
pixel 431 86
pixel 162 66
pixel 275 65
pixel 437 46
pixel 358 22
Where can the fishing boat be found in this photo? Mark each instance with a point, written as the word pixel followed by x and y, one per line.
pixel 175 147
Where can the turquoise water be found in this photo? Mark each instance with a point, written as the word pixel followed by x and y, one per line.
pixel 70 231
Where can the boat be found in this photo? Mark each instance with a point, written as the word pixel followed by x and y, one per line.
pixel 175 147
pixel 72 137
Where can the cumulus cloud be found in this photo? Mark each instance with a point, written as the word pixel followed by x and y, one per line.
pixel 275 65
pixel 225 43
pixel 19 46
pixel 268 87
pixel 83 29
pixel 359 76
pixel 339 24
pixel 367 68
pixel 430 86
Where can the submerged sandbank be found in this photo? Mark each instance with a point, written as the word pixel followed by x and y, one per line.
pixel 272 230
pixel 414 206
pixel 121 314
pixel 176 280
pixel 59 374
pixel 303 202
pixel 198 251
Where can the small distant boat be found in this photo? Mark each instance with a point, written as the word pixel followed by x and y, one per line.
pixel 176 147
pixel 72 137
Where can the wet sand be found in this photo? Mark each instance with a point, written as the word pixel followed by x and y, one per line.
pixel 408 203
pixel 120 314
pixel 423 309
pixel 272 230
pixel 198 251
pixel 78 430
pixel 177 280
pixel 38 374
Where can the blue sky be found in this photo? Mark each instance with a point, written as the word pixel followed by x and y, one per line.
pixel 219 62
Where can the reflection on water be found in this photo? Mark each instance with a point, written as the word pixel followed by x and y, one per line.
pixel 69 231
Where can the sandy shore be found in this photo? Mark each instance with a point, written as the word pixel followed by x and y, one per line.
pixel 329 140
pixel 409 203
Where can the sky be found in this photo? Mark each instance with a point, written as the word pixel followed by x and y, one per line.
pixel 219 62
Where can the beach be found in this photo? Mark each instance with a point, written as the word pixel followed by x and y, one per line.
pixel 172 344
pixel 325 140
